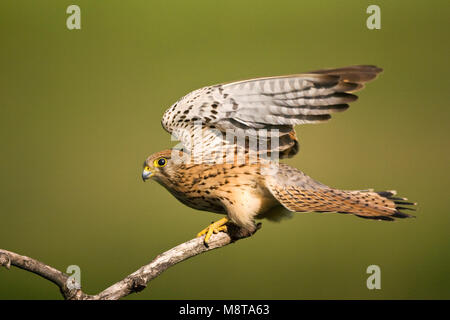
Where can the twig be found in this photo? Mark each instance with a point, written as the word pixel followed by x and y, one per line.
pixel 134 282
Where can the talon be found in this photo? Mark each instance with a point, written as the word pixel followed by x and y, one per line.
pixel 214 227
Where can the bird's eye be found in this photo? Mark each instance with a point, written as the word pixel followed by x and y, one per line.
pixel 161 162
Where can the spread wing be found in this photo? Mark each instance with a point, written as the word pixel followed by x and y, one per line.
pixel 263 111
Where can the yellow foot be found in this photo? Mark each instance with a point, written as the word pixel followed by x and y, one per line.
pixel 214 227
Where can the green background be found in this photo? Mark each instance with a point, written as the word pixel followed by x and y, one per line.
pixel 81 110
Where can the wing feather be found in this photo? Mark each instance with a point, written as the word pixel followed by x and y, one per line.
pixel 276 104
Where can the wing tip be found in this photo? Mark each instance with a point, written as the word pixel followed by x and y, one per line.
pixel 358 74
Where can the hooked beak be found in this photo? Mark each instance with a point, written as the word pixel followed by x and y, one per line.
pixel 146 174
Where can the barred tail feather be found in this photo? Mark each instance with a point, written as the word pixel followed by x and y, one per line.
pixel 362 203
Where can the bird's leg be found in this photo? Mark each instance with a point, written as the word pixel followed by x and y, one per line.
pixel 214 227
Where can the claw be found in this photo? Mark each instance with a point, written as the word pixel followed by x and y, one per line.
pixel 214 227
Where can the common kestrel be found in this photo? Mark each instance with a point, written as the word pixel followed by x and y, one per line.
pixel 232 136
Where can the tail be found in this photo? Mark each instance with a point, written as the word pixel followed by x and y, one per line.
pixel 362 203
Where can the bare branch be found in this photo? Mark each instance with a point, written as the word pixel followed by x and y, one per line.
pixel 8 258
pixel 134 282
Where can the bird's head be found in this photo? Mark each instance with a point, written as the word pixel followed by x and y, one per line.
pixel 159 166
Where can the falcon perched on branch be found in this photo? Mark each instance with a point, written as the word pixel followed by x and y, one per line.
pixel 232 136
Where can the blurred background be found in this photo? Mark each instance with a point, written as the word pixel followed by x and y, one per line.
pixel 81 109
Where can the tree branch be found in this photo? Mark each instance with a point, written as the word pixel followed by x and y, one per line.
pixel 134 282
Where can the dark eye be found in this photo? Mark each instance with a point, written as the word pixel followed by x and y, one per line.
pixel 161 162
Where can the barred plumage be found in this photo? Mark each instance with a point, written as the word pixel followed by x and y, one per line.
pixel 274 103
